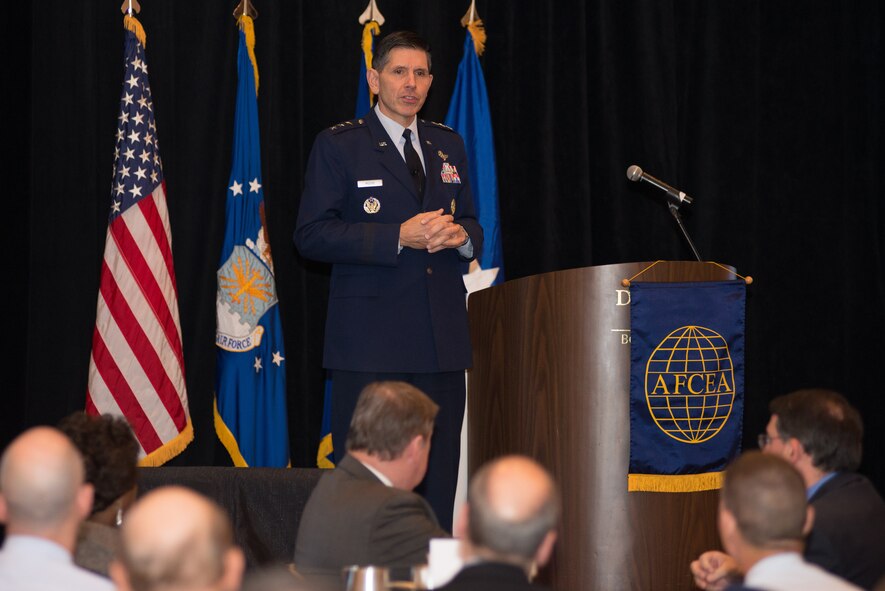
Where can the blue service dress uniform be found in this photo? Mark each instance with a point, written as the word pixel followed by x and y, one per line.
pixel 393 312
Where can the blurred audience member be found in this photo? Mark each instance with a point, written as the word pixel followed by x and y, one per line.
pixel 820 434
pixel 176 539
pixel 363 512
pixel 509 523
pixel 43 500
pixel 110 455
pixel 763 518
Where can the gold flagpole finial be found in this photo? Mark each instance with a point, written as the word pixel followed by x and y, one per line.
pixel 245 8
pixel 130 7
pixel 471 15
pixel 371 13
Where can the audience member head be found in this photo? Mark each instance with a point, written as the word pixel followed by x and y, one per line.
pixel 391 428
pixel 110 455
pixel 398 40
pixel 511 512
pixel 42 489
pixel 176 539
pixel 823 422
pixel 762 508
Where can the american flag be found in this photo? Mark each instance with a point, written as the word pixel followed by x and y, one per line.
pixel 137 367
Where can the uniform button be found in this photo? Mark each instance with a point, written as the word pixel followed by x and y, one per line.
pixel 430 270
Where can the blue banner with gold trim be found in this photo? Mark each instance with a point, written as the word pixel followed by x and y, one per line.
pixel 686 383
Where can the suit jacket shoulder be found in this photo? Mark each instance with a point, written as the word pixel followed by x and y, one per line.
pixel 353 518
pixel 849 529
pixel 491 576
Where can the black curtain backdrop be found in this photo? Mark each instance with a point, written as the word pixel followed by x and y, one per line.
pixel 768 113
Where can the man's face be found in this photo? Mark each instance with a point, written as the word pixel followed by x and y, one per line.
pixel 402 85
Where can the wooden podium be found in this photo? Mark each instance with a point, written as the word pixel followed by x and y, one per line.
pixel 551 380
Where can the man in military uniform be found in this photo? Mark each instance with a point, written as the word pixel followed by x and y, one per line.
pixel 387 201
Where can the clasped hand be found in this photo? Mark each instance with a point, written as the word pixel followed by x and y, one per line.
pixel 431 231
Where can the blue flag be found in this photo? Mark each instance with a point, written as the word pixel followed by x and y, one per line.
pixel 250 412
pixel 686 383
pixel 363 97
pixel 469 116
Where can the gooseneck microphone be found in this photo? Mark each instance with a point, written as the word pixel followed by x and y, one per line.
pixel 634 173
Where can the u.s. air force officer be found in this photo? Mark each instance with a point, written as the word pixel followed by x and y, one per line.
pixel 387 200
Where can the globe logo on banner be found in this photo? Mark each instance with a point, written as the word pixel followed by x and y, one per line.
pixel 689 384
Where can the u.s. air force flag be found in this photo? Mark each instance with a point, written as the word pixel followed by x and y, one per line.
pixel 250 413
pixel 686 383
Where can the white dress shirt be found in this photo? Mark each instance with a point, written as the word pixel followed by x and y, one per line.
pixel 29 563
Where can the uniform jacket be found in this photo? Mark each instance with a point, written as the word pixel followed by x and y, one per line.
pixel 388 312
pixel 352 518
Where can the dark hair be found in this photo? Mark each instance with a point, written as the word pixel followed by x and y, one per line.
pixel 388 415
pixel 506 537
pixel 766 495
pixel 825 423
pixel 399 39
pixel 110 454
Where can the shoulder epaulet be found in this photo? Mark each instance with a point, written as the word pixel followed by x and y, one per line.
pixel 347 125
pixel 439 125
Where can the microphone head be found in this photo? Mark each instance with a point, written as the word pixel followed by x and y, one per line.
pixel 634 173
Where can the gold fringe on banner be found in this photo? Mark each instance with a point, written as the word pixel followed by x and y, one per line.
pixel 370 30
pixel 674 483
pixel 478 32
pixel 227 438
pixel 130 23
pixel 170 449
pixel 247 26
pixel 324 450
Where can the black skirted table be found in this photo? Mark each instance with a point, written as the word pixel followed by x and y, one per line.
pixel 264 504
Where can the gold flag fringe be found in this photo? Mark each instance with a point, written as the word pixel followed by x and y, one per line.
pixel 247 26
pixel 478 32
pixel 370 30
pixel 227 438
pixel 130 23
pixel 324 450
pixel 674 483
pixel 170 449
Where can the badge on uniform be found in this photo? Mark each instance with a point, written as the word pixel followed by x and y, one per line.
pixel 449 173
pixel 453 206
pixel 371 205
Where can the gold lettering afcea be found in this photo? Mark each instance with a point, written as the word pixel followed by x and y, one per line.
pixel 691 382
pixel 679 379
pixel 623 297
pixel 662 385
pixel 724 386
pixel 711 382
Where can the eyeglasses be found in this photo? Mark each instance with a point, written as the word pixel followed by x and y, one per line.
pixel 764 439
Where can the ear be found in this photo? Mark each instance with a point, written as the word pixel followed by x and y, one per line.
pixel 809 520
pixel 794 450
pixel 85 497
pixel 728 530
pixel 372 77
pixel 415 447
pixel 119 576
pixel 545 550
pixel 234 565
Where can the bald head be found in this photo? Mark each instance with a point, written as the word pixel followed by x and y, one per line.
pixel 41 482
pixel 174 538
pixel 513 507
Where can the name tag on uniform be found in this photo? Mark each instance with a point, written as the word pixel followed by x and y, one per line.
pixel 370 183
